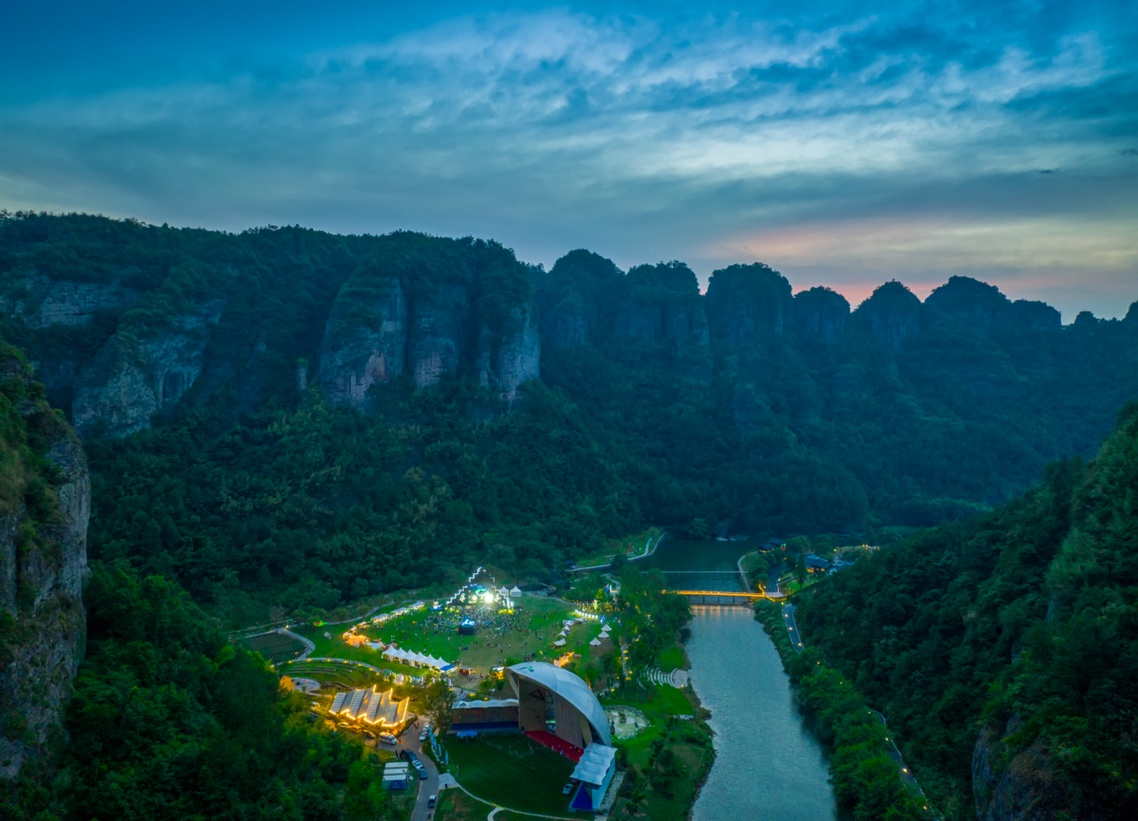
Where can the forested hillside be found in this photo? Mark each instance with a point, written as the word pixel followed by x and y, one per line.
pixel 1003 650
pixel 291 419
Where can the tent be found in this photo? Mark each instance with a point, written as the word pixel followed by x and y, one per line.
pixel 515 591
pixel 595 642
pixel 559 643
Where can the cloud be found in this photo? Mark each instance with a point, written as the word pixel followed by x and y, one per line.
pixel 896 141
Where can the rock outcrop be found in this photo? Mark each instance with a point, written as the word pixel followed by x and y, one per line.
pixel 578 300
pixel 41 302
pixel 1028 315
pixel 1024 788
pixel 136 375
pixel 662 307
pixel 748 302
pixel 358 353
pixel 892 314
pixel 449 307
pixel 43 561
pixel 820 314
pixel 963 302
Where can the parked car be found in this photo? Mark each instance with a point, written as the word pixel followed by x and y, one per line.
pixel 568 788
pixel 388 738
pixel 431 802
pixel 422 773
pixel 423 735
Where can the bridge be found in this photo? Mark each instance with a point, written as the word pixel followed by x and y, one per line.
pixel 720 597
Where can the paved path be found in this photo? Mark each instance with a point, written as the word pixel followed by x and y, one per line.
pixel 647 552
pixel 898 759
pixel 792 626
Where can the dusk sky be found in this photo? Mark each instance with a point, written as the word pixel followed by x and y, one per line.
pixel 843 143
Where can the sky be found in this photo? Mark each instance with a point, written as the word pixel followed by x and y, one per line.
pixel 843 143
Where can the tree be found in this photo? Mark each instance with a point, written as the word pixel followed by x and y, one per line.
pixel 438 702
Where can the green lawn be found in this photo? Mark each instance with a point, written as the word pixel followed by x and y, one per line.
pixel 541 620
pixel 455 805
pixel 513 771
pixel 671 659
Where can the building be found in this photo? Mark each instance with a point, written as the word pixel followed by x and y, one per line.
pixel 369 707
pixel 495 715
pixel 593 773
pixel 550 695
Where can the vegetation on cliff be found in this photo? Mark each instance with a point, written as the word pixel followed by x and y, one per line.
pixel 1015 629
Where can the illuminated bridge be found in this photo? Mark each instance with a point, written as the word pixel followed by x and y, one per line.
pixel 719 587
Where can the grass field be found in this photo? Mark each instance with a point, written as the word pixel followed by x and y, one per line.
pixel 455 805
pixel 689 740
pixel 671 659
pixel 512 771
pixel 539 623
pixel 275 647
pixel 624 545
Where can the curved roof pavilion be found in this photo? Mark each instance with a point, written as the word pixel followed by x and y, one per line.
pixel 579 716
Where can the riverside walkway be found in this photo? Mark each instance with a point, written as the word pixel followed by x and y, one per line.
pixel 895 753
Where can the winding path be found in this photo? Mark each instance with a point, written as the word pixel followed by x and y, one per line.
pixel 898 759
pixel 647 552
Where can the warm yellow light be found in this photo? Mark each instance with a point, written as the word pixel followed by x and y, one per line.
pixel 488 597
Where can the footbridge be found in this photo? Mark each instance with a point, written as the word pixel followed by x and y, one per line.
pixel 722 598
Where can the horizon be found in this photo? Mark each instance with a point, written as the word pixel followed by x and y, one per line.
pixel 841 145
pixel 922 291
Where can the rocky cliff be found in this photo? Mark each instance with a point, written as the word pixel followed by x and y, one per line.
pixel 45 498
pixel 439 308
pixel 748 302
pixel 661 306
pixel 892 314
pixel 135 376
pixel 820 314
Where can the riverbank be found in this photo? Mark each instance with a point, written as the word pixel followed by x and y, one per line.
pixel 865 777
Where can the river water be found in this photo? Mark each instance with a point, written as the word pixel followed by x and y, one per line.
pixel 767 765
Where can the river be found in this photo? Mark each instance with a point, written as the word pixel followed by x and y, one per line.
pixel 767 764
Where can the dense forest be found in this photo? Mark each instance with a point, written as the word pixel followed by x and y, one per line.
pixel 1002 649
pixel 285 420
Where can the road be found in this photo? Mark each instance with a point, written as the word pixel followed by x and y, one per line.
pixel 895 754
pixel 792 626
pixel 429 786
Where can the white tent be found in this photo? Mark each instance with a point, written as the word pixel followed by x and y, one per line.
pixel 515 591
pixel 595 642
pixel 559 643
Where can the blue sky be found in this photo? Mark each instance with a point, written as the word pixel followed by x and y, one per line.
pixel 844 143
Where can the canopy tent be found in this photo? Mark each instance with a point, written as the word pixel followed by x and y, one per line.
pixel 594 764
pixel 398 654
pixel 515 591
pixel 595 642
pixel 559 643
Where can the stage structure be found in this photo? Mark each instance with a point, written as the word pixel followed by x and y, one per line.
pixel 552 696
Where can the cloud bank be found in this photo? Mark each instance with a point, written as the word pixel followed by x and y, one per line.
pixel 843 147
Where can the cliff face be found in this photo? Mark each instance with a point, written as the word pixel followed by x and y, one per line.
pixel 748 302
pixel 661 306
pixel 892 314
pixel 43 560
pixel 131 378
pixel 577 300
pixel 356 355
pixel 509 358
pixel 448 307
pixel 42 302
pixel 1026 788
pixel 821 314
